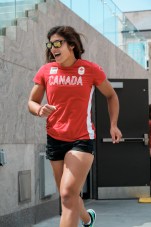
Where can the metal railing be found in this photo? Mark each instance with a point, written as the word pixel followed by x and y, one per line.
pixel 110 21
pixel 103 15
pixel 10 10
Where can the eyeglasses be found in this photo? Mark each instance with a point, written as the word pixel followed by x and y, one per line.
pixel 55 44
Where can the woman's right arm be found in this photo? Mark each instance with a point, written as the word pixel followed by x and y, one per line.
pixel 34 102
pixel 35 99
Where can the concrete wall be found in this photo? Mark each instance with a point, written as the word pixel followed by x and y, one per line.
pixel 22 136
pixel 142 21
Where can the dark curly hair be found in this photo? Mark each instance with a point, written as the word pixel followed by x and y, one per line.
pixel 71 37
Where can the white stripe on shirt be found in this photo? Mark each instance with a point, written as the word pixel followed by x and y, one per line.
pixel 89 121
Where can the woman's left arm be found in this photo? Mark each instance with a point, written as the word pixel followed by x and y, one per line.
pixel 113 107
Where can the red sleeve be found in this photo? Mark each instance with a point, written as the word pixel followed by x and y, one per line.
pixel 98 74
pixel 39 77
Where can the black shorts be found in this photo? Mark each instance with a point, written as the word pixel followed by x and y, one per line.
pixel 56 149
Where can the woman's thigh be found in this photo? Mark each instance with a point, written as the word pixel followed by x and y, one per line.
pixel 57 167
pixel 76 167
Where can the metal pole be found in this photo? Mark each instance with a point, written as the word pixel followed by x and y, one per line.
pixel 15 9
pixel 70 4
pixel 89 12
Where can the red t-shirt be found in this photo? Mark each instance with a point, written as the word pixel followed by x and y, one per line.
pixel 70 90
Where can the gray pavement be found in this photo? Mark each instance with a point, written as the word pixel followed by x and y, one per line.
pixel 113 213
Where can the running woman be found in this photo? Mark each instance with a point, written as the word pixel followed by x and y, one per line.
pixel 69 83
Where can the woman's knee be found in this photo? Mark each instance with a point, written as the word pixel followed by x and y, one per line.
pixel 68 196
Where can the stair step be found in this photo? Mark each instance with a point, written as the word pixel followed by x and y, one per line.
pixel 11 32
pixel 42 7
pixel 2 31
pixel 23 23
pixel 33 14
pixel 2 39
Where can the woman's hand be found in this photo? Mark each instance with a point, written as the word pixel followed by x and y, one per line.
pixel 46 110
pixel 115 134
